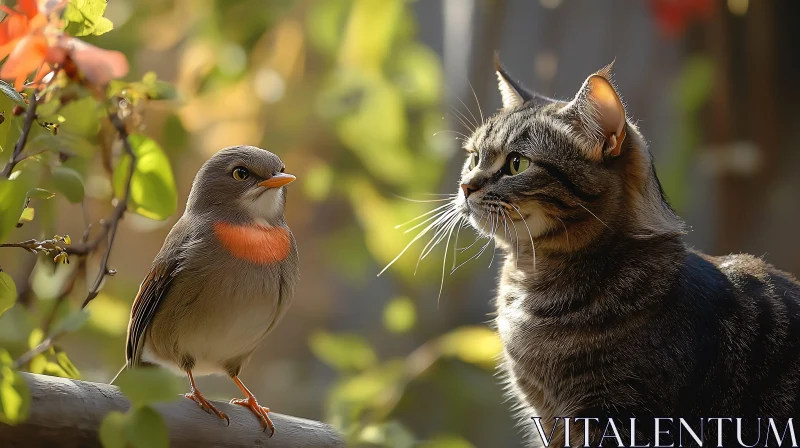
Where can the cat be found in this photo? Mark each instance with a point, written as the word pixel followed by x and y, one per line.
pixel 612 315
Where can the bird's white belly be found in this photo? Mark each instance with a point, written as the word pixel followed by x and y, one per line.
pixel 240 321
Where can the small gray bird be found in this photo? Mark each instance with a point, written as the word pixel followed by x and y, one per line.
pixel 224 277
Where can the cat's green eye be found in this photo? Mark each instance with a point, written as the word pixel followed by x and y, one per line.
pixel 474 158
pixel 517 163
pixel 240 173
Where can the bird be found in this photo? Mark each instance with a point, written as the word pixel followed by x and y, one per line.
pixel 223 279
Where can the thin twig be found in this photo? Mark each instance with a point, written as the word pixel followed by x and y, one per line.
pixel 30 116
pixel 119 209
pixel 47 325
pixel 109 232
pixel 86 248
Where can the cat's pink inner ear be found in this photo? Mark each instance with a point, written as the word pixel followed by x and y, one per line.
pixel 609 113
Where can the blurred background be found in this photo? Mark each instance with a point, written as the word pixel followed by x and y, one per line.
pixel 365 101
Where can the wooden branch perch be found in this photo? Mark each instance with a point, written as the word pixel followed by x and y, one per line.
pixel 68 413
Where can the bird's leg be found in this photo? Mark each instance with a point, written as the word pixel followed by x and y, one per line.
pixel 201 401
pixel 260 411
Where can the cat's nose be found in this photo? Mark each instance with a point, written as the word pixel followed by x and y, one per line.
pixel 468 189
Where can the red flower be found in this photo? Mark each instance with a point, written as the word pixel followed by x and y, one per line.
pixel 673 16
pixel 31 37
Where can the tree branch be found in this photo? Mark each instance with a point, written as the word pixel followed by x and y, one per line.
pixel 119 209
pixel 108 233
pixel 30 116
pixel 68 412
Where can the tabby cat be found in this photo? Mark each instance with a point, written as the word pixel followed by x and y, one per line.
pixel 612 315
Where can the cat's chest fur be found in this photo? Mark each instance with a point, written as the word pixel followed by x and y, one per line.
pixel 535 356
pixel 561 342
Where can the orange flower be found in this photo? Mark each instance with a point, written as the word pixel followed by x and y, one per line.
pixel 19 23
pixel 31 37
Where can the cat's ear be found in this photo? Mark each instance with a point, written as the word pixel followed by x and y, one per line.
pixel 513 93
pixel 600 114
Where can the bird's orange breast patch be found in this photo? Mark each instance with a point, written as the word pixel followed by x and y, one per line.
pixel 254 243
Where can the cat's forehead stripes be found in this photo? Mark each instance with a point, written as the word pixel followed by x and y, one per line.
pixel 530 130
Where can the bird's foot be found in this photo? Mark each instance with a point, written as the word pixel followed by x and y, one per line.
pixel 207 406
pixel 260 411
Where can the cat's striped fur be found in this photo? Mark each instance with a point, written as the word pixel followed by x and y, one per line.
pixel 617 316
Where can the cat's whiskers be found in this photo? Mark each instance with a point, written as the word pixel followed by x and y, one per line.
pixel 439 219
pixel 511 223
pixel 464 121
pixel 474 120
pixel 421 216
pixel 490 238
pixel 455 243
pixel 454 223
pixel 476 101
pixel 423 200
pixel 427 220
pixel 464 137
pixel 437 237
pixel 565 231
pixel 533 248
pixel 601 221
pixel 494 241
pixel 478 238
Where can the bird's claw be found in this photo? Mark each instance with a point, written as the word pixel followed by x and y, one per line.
pixel 261 412
pixel 207 406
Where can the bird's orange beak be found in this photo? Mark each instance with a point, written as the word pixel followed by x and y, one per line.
pixel 278 180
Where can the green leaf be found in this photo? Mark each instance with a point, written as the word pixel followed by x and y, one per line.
pixel 40 193
pixel 399 315
pixel 8 90
pixel 342 351
pixel 38 364
pixel 146 429
pixel 67 365
pixel 418 72
pixel 370 389
pixel 14 395
pixel 8 292
pixel 69 183
pixel 112 430
pixel 391 434
pixel 148 385
pixel 369 32
pixel 65 142
pixel 149 88
pixel 81 118
pixel 53 369
pixel 12 201
pixel 102 26
pixel 473 344
pixel 325 24
pixel 153 193
pixel 35 338
pixel 155 89
pixel 72 322
pixel 27 215
pixel 85 17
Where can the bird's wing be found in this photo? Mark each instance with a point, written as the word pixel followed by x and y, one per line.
pixel 153 288
pixel 151 292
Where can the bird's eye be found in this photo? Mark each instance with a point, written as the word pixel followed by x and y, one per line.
pixel 240 173
pixel 517 163
pixel 474 159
